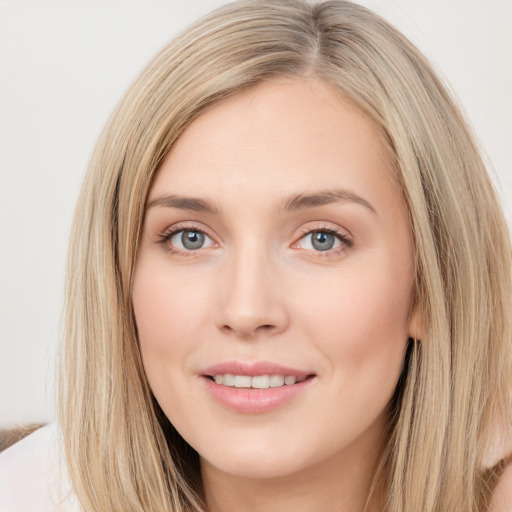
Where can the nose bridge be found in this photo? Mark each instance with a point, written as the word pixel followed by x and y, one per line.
pixel 253 302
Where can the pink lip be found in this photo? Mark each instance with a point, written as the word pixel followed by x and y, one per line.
pixel 254 401
pixel 253 369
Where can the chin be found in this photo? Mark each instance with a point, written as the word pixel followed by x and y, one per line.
pixel 261 466
pixel 263 460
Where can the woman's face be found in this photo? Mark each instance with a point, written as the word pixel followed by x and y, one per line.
pixel 276 247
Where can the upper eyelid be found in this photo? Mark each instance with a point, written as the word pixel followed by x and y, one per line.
pixel 307 228
pixel 327 229
pixel 187 226
pixel 340 236
pixel 343 235
pixel 314 226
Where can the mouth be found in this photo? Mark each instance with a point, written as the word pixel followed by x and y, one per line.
pixel 257 381
pixel 255 387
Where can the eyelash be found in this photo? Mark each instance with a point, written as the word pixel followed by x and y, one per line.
pixel 346 242
pixel 344 239
pixel 164 238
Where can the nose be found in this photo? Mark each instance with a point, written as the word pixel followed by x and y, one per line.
pixel 252 301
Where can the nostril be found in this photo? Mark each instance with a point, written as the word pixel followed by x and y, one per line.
pixel 248 331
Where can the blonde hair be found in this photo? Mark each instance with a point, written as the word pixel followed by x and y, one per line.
pixel 454 395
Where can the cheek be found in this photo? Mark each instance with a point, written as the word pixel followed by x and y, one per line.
pixel 167 312
pixel 359 319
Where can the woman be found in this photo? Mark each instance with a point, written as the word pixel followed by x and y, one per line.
pixel 289 281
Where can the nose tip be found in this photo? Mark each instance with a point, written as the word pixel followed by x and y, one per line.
pixel 248 327
pixel 253 304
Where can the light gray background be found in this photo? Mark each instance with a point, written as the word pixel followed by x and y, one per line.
pixel 64 65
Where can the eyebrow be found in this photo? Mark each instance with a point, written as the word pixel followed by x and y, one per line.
pixel 293 203
pixel 194 204
pixel 304 201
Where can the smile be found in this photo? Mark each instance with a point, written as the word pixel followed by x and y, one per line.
pixel 255 387
pixel 258 381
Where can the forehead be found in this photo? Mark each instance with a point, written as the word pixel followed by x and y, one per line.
pixel 280 137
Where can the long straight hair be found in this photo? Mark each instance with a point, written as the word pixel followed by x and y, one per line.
pixel 452 401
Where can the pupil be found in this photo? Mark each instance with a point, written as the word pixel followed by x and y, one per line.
pixel 192 240
pixel 322 241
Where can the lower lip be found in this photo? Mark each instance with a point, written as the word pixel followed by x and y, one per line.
pixel 254 401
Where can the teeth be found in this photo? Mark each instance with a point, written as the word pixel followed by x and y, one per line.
pixel 242 381
pixel 289 380
pixel 276 381
pixel 228 380
pixel 258 382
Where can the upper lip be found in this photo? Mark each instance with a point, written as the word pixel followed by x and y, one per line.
pixel 253 369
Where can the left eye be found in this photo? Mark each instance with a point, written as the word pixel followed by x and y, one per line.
pixel 321 241
pixel 190 240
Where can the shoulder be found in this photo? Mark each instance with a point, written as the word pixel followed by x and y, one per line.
pixel 502 496
pixel 33 477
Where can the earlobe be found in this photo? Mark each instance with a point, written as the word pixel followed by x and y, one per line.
pixel 416 323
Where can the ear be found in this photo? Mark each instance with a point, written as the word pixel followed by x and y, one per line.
pixel 416 323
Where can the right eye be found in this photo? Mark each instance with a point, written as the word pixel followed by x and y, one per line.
pixel 186 240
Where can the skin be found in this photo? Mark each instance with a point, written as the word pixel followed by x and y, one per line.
pixel 258 289
pixel 502 496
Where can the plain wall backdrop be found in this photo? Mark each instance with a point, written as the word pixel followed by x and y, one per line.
pixel 63 67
